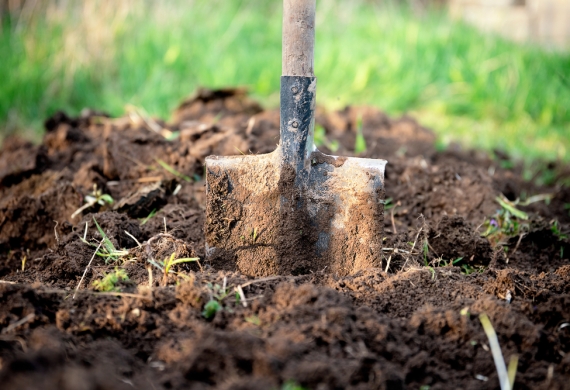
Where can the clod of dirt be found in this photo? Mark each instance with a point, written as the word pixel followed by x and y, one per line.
pixel 141 202
pixel 30 210
pixel 455 238
pixel 19 161
pixel 539 250
pixel 208 105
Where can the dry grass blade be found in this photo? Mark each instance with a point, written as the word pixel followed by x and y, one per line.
pixel 172 171
pixel 86 268
pixel 512 369
pixel 506 378
pixel 413 246
pixel 242 296
pixel 134 238
pixel 268 279
pixel 395 231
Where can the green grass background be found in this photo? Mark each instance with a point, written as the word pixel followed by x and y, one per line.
pixel 477 89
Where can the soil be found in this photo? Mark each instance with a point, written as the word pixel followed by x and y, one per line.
pixel 411 324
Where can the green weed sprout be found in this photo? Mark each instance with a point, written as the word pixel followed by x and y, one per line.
pixel 506 222
pixel 166 265
pixel 211 308
pixel 425 251
pixel 320 139
pixel 217 295
pixel 292 385
pixel 96 197
pixel 172 171
pixel 148 217
pixel 555 229
pixel 360 142
pixel 105 249
pixel 388 204
pixel 108 250
pixel 509 221
pixel 448 263
pixel 254 320
pixel 109 281
pixel 467 269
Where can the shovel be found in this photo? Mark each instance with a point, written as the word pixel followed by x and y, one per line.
pixel 295 210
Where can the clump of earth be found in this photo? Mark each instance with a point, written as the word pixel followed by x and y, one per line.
pixel 454 248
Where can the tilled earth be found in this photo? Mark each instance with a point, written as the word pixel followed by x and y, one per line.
pixel 414 324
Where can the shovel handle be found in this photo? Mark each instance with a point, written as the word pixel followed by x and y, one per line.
pixel 298 37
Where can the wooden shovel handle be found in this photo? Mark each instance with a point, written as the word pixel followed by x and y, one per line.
pixel 298 37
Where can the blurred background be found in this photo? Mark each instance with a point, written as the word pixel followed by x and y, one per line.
pixel 484 73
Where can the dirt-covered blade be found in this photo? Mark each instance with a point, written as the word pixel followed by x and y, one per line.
pixel 258 221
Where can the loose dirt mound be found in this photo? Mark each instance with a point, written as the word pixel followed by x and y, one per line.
pixel 411 324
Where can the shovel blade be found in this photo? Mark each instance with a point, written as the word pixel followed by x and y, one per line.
pixel 263 218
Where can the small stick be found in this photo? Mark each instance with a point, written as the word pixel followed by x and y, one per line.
pixel 13 326
pixel 388 265
pixel 150 281
pixel 241 295
pixel 416 240
pixel 255 297
pixel 392 218
pixel 413 246
pixel 86 268
pixel 250 125
pixel 518 243
pixel 55 231
pixel 261 280
pixel 396 250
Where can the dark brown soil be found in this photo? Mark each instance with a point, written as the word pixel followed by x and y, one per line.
pixel 413 324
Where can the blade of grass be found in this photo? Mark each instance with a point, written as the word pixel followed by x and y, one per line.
pixel 504 380
pixel 107 244
pixel 511 208
pixel 86 268
pixel 512 370
pixel 173 171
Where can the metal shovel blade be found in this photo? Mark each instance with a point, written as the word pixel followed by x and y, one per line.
pixel 294 210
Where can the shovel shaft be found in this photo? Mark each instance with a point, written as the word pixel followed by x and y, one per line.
pixel 298 37
pixel 298 84
pixel 298 95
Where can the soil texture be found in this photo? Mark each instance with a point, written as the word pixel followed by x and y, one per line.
pixel 120 295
